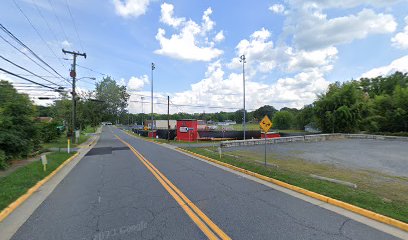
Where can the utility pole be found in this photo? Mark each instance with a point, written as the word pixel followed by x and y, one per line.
pixel 142 111
pixel 168 118
pixel 153 67
pixel 243 60
pixel 73 75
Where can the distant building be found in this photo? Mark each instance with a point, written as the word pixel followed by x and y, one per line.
pixel 201 124
pixel 160 124
pixel 226 123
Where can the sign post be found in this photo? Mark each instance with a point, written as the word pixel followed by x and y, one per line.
pixel 44 161
pixel 265 124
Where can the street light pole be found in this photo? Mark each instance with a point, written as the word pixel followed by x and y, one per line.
pixel 153 67
pixel 142 111
pixel 243 60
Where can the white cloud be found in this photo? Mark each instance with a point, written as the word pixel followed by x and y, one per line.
pixel 316 31
pixel 400 40
pixel 131 8
pixel 345 3
pixel 262 56
pixel 137 83
pixel 191 43
pixel 216 90
pixel 400 64
pixel 66 44
pixel 219 37
pixel 277 8
pixel 166 17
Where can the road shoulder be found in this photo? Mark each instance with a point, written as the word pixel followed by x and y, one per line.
pixel 10 225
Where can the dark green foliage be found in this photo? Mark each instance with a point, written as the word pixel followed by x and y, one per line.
pixel 49 131
pixel 19 135
pixel 264 110
pixel 375 105
pixel 283 120
pixel 3 160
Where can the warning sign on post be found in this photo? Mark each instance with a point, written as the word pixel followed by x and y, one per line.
pixel 265 124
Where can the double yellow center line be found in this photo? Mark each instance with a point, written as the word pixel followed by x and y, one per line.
pixel 207 226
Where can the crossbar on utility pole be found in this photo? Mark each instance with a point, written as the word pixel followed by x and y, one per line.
pixel 73 75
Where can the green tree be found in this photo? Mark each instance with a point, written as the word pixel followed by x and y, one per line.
pixel 282 120
pixel 264 110
pixel 340 109
pixel 19 135
pixel 114 97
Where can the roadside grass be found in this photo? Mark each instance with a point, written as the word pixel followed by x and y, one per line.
pixel 61 142
pixel 387 195
pixel 248 126
pixel 89 129
pixel 18 182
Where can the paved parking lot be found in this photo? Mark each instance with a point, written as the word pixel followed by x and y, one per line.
pixel 389 157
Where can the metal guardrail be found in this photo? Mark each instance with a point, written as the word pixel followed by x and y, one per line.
pixel 308 138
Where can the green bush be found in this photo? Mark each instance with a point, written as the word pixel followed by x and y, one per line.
pixel 49 131
pixel 3 162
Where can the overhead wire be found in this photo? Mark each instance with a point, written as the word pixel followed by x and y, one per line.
pixel 10 34
pixel 75 26
pixel 38 32
pixel 193 106
pixel 58 20
pixel 87 68
pixel 16 65
pixel 24 78
pixel 25 54
pixel 45 20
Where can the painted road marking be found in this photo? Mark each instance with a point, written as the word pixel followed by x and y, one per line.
pixel 208 227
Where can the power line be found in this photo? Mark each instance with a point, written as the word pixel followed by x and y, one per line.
pixel 58 20
pixel 38 32
pixel 28 49
pixel 87 68
pixel 75 26
pixel 45 20
pixel 25 54
pixel 16 75
pixel 192 106
pixel 16 65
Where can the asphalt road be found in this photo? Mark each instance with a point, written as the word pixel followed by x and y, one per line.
pixel 111 194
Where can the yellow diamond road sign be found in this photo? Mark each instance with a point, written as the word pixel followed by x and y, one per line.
pixel 265 124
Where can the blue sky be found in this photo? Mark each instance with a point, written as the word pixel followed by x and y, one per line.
pixel 294 48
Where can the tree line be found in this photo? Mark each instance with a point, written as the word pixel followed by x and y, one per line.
pixel 374 105
pixel 22 131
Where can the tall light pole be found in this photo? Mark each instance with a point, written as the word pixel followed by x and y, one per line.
pixel 142 111
pixel 243 60
pixel 153 67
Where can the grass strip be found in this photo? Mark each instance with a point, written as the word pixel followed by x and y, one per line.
pixel 18 182
pixel 362 198
pixel 61 142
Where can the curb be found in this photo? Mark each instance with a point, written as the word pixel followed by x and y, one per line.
pixel 12 206
pixel 364 212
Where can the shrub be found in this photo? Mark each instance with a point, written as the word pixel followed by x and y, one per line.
pixel 3 161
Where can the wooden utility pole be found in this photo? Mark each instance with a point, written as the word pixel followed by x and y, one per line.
pixel 73 75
